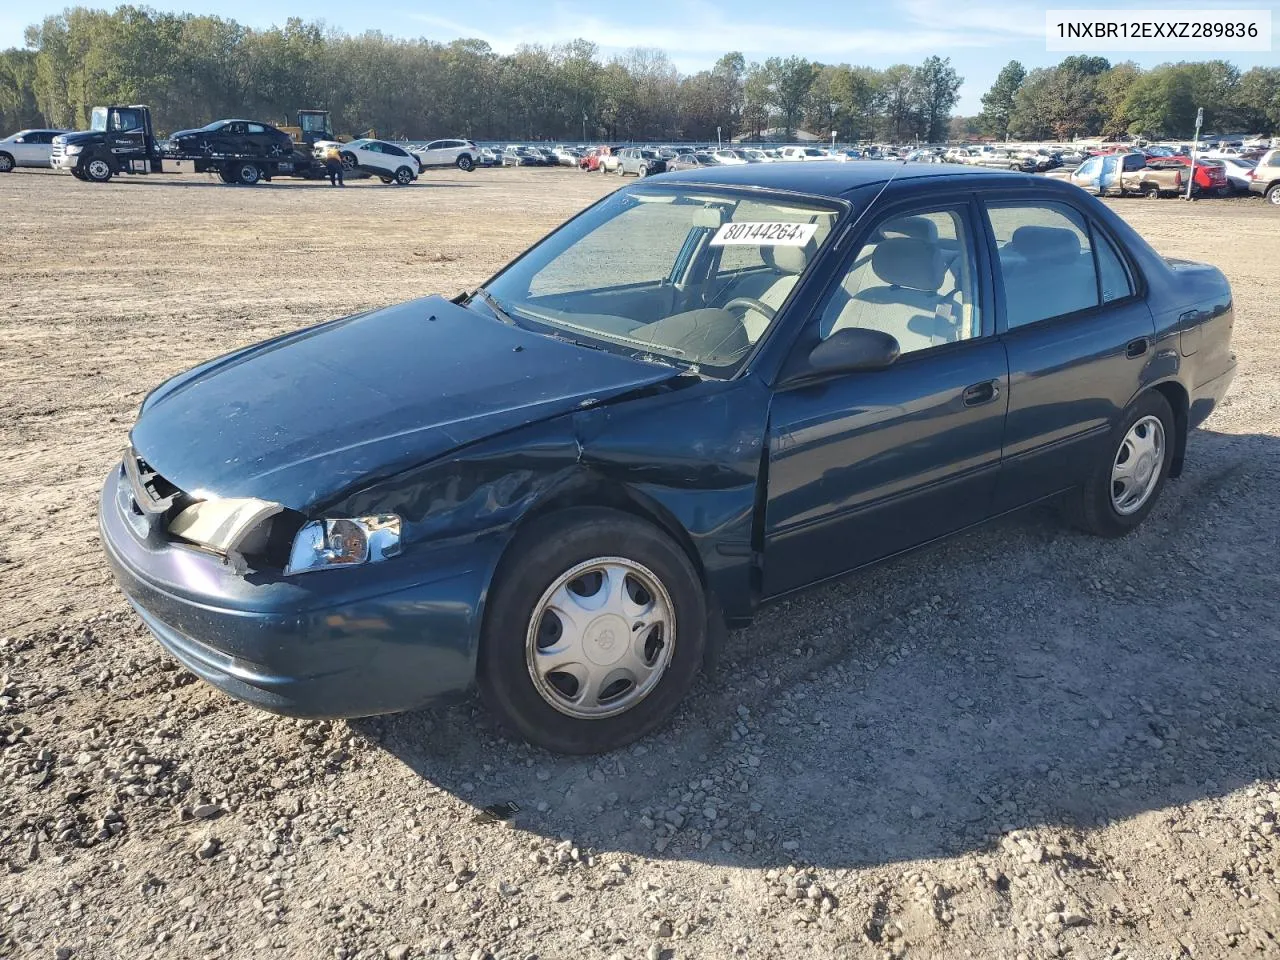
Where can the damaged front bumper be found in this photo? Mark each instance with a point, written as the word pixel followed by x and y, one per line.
pixel 343 643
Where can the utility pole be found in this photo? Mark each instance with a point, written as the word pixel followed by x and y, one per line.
pixel 584 128
pixel 1195 149
pixel 833 141
pixel 719 142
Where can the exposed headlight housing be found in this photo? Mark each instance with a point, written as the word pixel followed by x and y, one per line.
pixel 73 149
pixel 331 544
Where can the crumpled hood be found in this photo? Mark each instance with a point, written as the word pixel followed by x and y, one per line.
pixel 311 415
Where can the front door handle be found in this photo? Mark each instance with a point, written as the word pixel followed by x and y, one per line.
pixel 1136 348
pixel 980 393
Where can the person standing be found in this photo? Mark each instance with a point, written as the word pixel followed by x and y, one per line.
pixel 333 166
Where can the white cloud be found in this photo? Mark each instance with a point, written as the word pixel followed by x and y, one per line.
pixel 705 31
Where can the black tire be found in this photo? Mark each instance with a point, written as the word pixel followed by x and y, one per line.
pixel 1151 191
pixel 347 159
pixel 78 173
pixel 6 162
pixel 404 176
pixel 546 549
pixel 385 179
pixel 1092 508
pixel 246 173
pixel 1273 194
pixel 642 172
pixel 465 163
pixel 97 169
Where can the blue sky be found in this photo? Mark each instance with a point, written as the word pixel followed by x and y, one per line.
pixel 979 36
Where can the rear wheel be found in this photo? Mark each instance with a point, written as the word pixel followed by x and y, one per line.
pixel 1126 481
pixel 98 169
pixel 385 179
pixel 595 631
pixel 465 163
pixel 6 163
pixel 246 173
pixel 1151 191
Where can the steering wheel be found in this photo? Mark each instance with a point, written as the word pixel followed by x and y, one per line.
pixel 751 303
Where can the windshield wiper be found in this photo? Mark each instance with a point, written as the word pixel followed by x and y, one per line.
pixel 492 303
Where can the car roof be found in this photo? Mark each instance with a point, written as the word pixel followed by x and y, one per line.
pixel 834 178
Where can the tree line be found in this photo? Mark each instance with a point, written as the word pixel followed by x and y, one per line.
pixel 193 69
pixel 1085 95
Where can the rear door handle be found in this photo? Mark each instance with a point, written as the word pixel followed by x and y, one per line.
pixel 1136 348
pixel 980 393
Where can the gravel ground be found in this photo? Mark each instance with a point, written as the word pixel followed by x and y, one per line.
pixel 1023 743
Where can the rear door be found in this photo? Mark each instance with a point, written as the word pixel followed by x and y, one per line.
pixel 1078 334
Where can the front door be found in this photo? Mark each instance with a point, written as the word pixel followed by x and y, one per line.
pixel 126 134
pixel 866 464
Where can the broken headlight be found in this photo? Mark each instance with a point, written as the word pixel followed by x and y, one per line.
pixel 330 544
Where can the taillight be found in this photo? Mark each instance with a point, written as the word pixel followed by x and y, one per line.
pixel 1177 179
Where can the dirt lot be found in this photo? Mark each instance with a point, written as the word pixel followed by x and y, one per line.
pixel 1023 743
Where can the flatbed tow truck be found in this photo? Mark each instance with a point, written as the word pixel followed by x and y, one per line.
pixel 121 140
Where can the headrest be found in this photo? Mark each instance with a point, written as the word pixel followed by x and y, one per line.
pixel 907 262
pixel 1046 244
pixel 785 259
pixel 918 228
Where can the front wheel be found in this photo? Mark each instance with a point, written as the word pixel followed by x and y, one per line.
pixel 404 176
pixel 595 631
pixel 1127 478
pixel 1273 194
pixel 385 179
pixel 98 170
pixel 6 163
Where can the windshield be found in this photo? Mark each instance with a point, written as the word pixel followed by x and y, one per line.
pixel 98 120
pixel 692 275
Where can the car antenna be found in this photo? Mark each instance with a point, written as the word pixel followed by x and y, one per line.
pixel 867 209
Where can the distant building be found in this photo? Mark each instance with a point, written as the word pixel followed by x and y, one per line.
pixel 779 135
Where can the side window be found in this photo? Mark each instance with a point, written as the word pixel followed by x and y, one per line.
pixel 1091 167
pixel 1113 278
pixel 1134 161
pixel 434 145
pixel 1045 259
pixel 393 151
pixel 914 278
pixel 257 128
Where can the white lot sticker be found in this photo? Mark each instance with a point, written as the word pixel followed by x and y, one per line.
pixel 764 234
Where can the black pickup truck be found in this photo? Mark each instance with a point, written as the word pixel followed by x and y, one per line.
pixel 120 140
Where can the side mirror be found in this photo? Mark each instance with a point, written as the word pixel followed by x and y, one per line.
pixel 851 349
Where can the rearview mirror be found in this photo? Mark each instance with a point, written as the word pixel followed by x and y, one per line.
pixel 853 348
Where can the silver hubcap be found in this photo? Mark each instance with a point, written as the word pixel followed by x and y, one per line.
pixel 1137 466
pixel 98 168
pixel 600 638
pixel 5 164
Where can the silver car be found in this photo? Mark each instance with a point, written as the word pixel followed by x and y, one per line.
pixel 27 148
pixel 641 162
